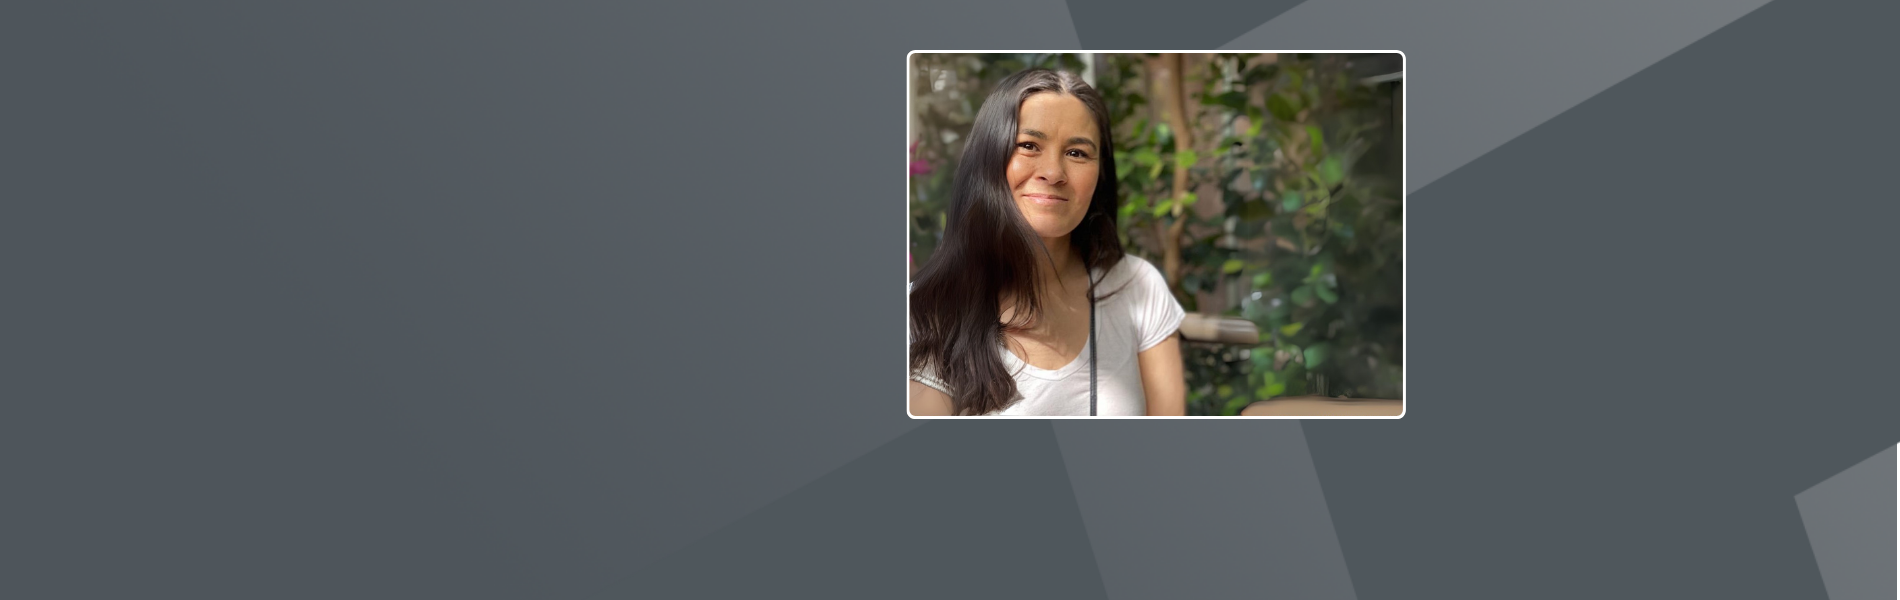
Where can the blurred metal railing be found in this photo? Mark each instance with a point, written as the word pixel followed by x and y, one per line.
pixel 1220 330
pixel 1235 331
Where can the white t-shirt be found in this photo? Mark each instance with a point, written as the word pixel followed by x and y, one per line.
pixel 1140 314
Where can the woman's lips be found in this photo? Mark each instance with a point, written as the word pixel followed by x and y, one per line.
pixel 1045 199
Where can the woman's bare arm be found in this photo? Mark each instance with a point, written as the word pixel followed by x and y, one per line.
pixel 1162 379
pixel 926 401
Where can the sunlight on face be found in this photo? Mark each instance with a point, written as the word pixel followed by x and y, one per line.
pixel 1052 173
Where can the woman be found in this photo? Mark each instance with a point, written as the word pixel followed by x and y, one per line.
pixel 1030 263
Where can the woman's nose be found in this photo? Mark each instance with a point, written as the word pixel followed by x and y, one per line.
pixel 1051 172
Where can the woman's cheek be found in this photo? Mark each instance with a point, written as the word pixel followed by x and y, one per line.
pixel 1085 179
pixel 1018 172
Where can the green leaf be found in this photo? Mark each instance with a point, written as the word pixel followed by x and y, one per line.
pixel 1326 294
pixel 1185 159
pixel 1273 389
pixel 1290 202
pixel 1122 169
pixel 1303 295
pixel 1279 312
pixel 1224 390
pixel 1146 156
pixel 1255 120
pixel 1234 406
pixel 1315 355
pixel 1292 328
pixel 1262 280
pixel 1233 100
pixel 1313 137
pixel 1189 198
pixel 1162 208
pixel 1281 105
pixel 1330 171
pixel 1232 266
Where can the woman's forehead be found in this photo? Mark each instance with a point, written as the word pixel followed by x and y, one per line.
pixel 1059 111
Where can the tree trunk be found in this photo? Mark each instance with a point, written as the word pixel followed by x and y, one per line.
pixel 1170 86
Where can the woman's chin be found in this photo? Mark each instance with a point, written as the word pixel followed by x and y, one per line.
pixel 1051 228
pixel 1051 221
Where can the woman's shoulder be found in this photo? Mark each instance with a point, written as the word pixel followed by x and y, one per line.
pixel 1133 272
pixel 1148 300
pixel 1137 266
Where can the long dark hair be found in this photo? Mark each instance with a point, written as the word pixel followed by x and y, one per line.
pixel 989 253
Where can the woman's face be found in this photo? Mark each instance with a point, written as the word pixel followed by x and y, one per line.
pixel 1052 172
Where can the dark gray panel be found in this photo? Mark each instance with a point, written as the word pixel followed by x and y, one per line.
pixel 478 300
pixel 444 299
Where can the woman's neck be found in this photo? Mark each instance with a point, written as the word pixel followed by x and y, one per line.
pixel 1064 258
pixel 1049 281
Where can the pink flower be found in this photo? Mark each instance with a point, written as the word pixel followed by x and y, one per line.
pixel 918 167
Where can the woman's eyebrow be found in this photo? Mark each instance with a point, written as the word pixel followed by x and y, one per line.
pixel 1072 141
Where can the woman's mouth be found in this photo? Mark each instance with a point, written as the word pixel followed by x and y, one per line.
pixel 1045 199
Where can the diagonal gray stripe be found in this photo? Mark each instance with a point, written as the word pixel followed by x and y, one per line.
pixel 1850 523
pixel 1204 510
pixel 950 510
pixel 1480 73
pixel 1181 25
pixel 1595 412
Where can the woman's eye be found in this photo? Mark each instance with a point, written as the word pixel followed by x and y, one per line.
pixel 1078 154
pixel 1030 146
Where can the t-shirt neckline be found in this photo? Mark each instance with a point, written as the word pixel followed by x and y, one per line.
pixel 1015 363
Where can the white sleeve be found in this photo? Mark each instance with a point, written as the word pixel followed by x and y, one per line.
pixel 927 375
pixel 1157 314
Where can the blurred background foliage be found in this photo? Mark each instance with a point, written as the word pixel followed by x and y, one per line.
pixel 1265 186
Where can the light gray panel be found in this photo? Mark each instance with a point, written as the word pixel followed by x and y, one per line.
pixel 1850 522
pixel 1204 510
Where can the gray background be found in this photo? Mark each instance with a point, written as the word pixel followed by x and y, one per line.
pixel 481 300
